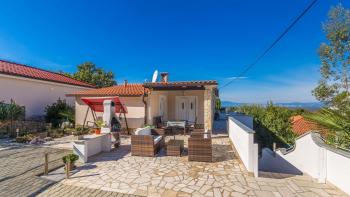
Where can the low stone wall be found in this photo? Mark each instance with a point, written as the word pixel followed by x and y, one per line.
pixel 9 128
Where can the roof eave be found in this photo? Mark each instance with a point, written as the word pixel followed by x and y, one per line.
pixel 103 95
pixel 37 78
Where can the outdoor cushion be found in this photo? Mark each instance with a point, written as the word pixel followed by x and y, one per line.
pixel 143 131
pixel 157 139
pixel 206 134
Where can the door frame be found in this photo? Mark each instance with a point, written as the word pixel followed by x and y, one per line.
pixel 165 106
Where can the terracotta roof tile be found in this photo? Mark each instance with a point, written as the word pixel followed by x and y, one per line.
pixel 118 90
pixel 21 70
pixel 300 125
pixel 180 83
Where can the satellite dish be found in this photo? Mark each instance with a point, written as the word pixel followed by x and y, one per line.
pixel 155 76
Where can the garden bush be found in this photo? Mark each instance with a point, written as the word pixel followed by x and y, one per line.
pixel 11 111
pixel 59 112
pixel 70 157
pixel 272 124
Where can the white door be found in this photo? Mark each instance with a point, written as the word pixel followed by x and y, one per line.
pixel 186 107
pixel 192 107
pixel 182 103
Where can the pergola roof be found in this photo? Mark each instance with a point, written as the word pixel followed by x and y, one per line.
pixel 96 104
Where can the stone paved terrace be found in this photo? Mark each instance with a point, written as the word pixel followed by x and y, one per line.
pixel 19 166
pixel 118 171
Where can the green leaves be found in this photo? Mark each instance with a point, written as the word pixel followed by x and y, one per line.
pixel 271 123
pixel 10 111
pixel 335 58
pixel 59 112
pixel 70 157
pixel 88 73
pixel 337 121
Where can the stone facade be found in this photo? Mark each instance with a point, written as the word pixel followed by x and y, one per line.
pixel 209 107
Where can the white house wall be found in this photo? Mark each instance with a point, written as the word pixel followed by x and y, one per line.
pixel 35 95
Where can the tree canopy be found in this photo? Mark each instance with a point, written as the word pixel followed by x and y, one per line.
pixel 89 73
pixel 334 85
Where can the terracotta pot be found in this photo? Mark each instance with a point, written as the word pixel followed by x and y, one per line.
pixel 98 131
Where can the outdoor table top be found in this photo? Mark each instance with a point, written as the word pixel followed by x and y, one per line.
pixel 175 142
pixel 176 123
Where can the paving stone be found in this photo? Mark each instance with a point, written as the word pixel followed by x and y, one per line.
pixel 117 173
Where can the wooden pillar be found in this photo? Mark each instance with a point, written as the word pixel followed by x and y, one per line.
pixel 46 164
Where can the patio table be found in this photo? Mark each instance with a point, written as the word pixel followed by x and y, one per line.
pixel 174 125
pixel 174 147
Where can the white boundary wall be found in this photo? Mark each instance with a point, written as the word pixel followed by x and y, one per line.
pixel 312 156
pixel 242 138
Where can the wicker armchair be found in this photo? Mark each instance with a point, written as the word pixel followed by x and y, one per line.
pixel 160 128
pixel 146 145
pixel 200 147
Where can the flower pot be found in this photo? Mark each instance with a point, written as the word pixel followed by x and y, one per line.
pixel 98 131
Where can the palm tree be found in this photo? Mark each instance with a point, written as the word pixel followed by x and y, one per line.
pixel 337 121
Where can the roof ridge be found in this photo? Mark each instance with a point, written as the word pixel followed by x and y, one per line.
pixel 33 67
pixel 183 81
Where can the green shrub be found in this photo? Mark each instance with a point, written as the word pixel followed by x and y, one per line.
pixel 81 131
pixel 70 157
pixel 338 124
pixel 11 111
pixel 59 112
pixel 271 123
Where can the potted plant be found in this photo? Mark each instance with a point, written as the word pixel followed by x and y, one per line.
pixel 72 158
pixel 80 132
pixel 99 125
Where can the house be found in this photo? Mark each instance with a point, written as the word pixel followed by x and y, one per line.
pixel 35 88
pixel 300 126
pixel 193 101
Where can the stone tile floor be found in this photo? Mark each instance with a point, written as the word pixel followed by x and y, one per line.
pixel 19 165
pixel 118 171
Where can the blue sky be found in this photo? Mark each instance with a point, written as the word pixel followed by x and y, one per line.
pixel 192 40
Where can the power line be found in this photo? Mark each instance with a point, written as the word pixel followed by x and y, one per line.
pixel 250 66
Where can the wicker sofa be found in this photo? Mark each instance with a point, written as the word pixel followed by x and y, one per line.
pixel 200 147
pixel 143 143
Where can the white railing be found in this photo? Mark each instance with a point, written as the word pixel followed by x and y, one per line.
pixel 242 138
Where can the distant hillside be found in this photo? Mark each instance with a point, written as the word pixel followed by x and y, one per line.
pixel 312 106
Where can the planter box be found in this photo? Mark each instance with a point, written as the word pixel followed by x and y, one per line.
pixel 91 145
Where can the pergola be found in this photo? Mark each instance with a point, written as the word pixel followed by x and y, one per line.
pixel 96 105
